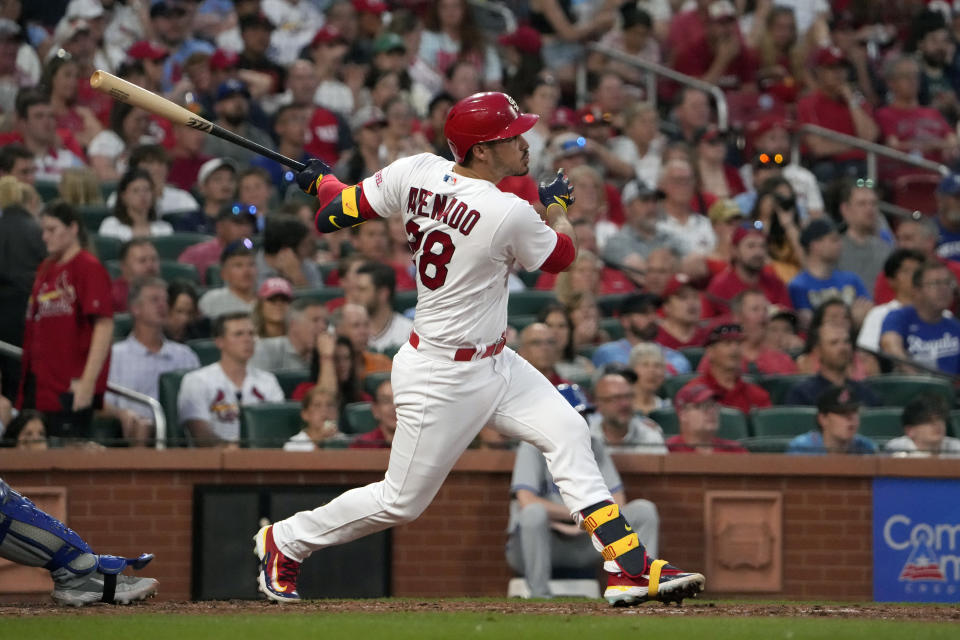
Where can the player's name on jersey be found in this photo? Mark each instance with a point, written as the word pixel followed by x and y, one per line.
pixel 455 213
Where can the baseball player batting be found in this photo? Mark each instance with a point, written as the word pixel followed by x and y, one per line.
pixel 455 374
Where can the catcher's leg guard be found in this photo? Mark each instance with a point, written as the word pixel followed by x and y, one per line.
pixel 615 539
pixel 32 537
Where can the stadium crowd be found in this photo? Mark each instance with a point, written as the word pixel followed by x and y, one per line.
pixel 742 284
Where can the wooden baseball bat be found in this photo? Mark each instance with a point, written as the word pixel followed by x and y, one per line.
pixel 120 89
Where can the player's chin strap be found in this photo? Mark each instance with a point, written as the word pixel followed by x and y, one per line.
pixel 615 539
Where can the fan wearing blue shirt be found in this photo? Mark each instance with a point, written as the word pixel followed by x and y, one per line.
pixel 821 280
pixel 838 420
pixel 923 332
pixel 948 217
pixel 638 317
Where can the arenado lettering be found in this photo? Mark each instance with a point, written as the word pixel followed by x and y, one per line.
pixel 941 536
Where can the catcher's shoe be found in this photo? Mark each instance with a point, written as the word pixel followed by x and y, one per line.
pixel 662 582
pixel 100 585
pixel 278 573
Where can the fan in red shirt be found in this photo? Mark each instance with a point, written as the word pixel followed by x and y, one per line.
pixel 698 415
pixel 682 307
pixel 721 57
pixel 725 351
pixel 747 270
pixel 68 331
pixel 385 413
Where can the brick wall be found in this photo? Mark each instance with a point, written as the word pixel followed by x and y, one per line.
pixel 126 502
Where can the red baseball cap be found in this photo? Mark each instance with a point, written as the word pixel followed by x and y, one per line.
pixel 222 60
pixel 370 6
pixel 275 287
pixel 744 230
pixel 146 50
pixel 327 34
pixel 759 127
pixel 677 282
pixel 693 393
pixel 724 333
pixel 525 39
pixel 563 118
pixel 829 57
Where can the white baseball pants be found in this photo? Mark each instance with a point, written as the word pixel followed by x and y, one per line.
pixel 441 406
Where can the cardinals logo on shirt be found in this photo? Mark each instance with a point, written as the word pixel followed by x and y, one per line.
pixel 223 409
pixel 56 301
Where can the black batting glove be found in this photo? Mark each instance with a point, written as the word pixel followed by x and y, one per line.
pixel 309 179
pixel 557 192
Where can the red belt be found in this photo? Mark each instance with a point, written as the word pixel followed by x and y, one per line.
pixel 463 354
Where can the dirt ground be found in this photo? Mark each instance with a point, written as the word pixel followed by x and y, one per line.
pixel 916 613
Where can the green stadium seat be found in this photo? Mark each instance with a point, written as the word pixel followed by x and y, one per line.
pixel 610 303
pixel 674 383
pixel 694 355
pixel 206 350
pixel 173 270
pixel 521 322
pixel 290 378
pixel 169 389
pixel 113 268
pixel 667 419
pixel 373 380
pixel 403 300
pixel 613 327
pixel 587 351
pixel 107 247
pixel 358 418
pixel 93 216
pixel 898 390
pixel 213 278
pixel 779 386
pixel 953 427
pixel 733 424
pixel 122 325
pixel 529 278
pixel 321 294
pixel 269 425
pixel 782 422
pixel 170 247
pixel 881 423
pixel 107 189
pixel 47 190
pixel 528 302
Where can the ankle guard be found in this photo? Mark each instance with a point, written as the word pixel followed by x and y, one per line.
pixel 614 538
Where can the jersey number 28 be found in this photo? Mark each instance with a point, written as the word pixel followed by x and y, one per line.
pixel 437 252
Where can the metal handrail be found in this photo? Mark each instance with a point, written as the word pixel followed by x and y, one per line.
pixel 159 420
pixel 654 69
pixel 872 150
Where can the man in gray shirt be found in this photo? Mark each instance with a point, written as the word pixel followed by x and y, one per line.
pixel 615 422
pixel 239 273
pixel 864 251
pixel 640 235
pixel 307 320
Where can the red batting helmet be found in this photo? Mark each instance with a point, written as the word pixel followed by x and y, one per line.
pixel 484 117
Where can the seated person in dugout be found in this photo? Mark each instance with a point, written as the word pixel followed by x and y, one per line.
pixel 541 533
pixel 838 419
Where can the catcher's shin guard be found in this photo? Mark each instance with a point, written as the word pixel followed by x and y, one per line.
pixel 614 538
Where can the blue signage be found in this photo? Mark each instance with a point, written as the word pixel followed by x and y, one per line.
pixel 916 540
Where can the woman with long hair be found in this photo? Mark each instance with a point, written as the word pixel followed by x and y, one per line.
pixel 776 209
pixel 716 176
pixel 59 80
pixel 183 320
pixel 272 308
pixel 782 72
pixel 79 186
pixel 69 329
pixel 135 212
pixel 570 363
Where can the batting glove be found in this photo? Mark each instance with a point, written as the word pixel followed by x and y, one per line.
pixel 309 179
pixel 557 192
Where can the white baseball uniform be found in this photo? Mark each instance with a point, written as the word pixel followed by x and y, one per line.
pixel 454 376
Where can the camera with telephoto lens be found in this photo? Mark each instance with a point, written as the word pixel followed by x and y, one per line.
pixel 787 203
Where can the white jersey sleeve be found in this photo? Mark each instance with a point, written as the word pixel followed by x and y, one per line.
pixel 386 189
pixel 193 401
pixel 524 236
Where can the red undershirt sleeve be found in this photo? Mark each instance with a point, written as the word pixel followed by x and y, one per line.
pixel 562 255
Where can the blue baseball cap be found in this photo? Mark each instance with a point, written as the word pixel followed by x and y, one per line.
pixel 950 185
pixel 573 394
pixel 232 87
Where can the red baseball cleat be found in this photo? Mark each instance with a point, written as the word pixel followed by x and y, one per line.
pixel 278 573
pixel 662 582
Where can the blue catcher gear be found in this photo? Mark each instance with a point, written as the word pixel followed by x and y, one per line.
pixel 34 538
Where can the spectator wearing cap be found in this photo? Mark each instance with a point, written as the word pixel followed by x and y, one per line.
pixel 296 23
pixel 170 22
pixel 389 53
pixel 751 310
pixel 897 275
pixel 772 134
pixel 721 57
pixel 233 223
pixel 522 64
pixel 922 331
pixel 836 105
pixel 238 269
pixel 271 313
pixel 616 424
pixel 716 176
pixel 255 32
pixel 863 250
pixel 830 346
pixel 635 37
pixel 151 56
pixel 289 123
pixel 698 417
pixel 948 217
pixel 638 317
pixel 368 18
pixel 307 319
pixel 747 270
pixel 925 419
pixel 288 247
pixel 725 217
pixel 327 51
pixel 232 110
pixel 909 127
pixel 451 34
pixel 640 145
pixel 640 235
pixel 35 129
pixel 838 420
pixel 821 280
pixel 682 307
pixel 217 185
pixel 19 64
pixel 678 182
pixel 724 348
